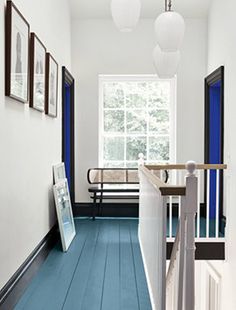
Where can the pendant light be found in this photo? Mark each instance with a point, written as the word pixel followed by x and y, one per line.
pixel 125 14
pixel 166 63
pixel 170 29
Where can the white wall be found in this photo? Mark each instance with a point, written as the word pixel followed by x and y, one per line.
pixel 222 51
pixel 99 48
pixel 30 144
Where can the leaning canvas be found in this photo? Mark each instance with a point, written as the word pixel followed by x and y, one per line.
pixel 59 172
pixel 64 213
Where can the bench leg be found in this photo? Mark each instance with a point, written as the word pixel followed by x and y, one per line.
pixel 94 207
pixel 100 206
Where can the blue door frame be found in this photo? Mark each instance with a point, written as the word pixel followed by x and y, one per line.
pixel 68 128
pixel 214 133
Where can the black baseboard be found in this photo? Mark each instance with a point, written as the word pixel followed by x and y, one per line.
pixel 121 209
pixel 204 250
pixel 107 209
pixel 15 287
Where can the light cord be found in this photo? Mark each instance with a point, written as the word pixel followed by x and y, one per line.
pixel 168 5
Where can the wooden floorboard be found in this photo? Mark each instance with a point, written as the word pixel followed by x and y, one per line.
pixel 143 294
pixel 111 287
pixel 49 288
pixel 102 270
pixel 128 288
pixel 93 293
pixel 80 279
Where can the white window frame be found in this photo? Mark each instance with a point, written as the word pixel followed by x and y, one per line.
pixel 137 78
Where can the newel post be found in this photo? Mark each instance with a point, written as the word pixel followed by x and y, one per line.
pixel 140 159
pixel 190 214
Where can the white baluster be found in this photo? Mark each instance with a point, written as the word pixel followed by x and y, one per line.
pixel 182 253
pixel 199 204
pixel 217 201
pixel 182 177
pixel 179 208
pixel 140 159
pixel 170 216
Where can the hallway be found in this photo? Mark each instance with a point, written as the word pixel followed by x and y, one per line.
pixel 103 269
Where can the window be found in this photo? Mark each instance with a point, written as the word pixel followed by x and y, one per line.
pixel 137 115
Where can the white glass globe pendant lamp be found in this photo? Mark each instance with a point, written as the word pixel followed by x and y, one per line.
pixel 166 63
pixel 125 14
pixel 170 29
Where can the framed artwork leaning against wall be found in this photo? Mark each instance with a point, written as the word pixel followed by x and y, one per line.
pixel 59 172
pixel 64 213
pixel 37 73
pixel 51 86
pixel 17 38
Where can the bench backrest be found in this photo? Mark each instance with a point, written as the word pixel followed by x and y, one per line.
pixel 119 175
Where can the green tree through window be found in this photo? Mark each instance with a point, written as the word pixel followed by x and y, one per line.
pixel 135 117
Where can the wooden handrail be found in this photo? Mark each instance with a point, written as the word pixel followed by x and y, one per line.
pixel 183 167
pixel 164 189
pixel 173 191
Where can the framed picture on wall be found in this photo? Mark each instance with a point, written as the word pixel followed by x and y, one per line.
pixel 51 86
pixel 37 73
pixel 17 35
pixel 64 213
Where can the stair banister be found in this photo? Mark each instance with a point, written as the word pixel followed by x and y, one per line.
pixel 153 202
pixel 190 211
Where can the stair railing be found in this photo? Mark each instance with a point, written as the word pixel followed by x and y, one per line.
pixel 176 290
pixel 210 221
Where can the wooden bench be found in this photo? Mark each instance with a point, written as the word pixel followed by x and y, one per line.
pixel 113 184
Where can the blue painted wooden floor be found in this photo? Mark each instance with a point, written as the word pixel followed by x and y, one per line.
pixel 102 270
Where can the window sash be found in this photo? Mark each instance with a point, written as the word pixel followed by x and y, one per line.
pixel 149 133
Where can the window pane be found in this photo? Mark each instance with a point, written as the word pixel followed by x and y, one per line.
pixel 113 148
pixel 159 121
pixel 136 95
pixel 159 148
pixel 113 95
pixel 114 121
pixel 136 122
pixel 136 119
pixel 159 94
pixel 134 146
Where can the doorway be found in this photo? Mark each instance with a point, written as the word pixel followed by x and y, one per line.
pixel 68 129
pixel 214 134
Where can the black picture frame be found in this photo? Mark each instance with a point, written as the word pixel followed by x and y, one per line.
pixel 50 109
pixel 13 80
pixel 37 79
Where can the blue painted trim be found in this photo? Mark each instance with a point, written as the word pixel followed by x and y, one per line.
pixel 214 140
pixel 67 134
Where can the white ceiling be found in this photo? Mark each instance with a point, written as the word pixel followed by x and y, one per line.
pixel 86 9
